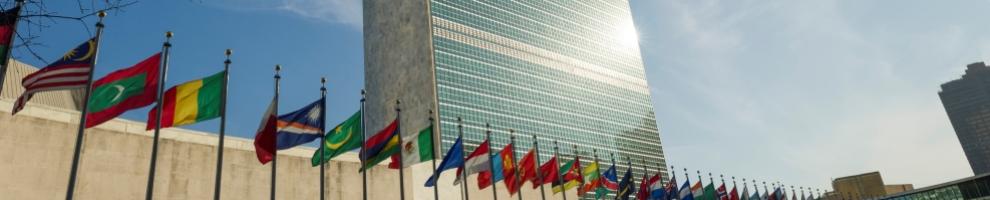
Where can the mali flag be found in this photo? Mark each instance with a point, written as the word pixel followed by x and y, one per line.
pixel 190 102
pixel 8 22
pixel 123 90
pixel 343 138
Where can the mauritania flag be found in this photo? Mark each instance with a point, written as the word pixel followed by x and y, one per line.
pixel 190 102
pixel 8 22
pixel 344 137
pixel 123 90
pixel 417 148
pixel 301 126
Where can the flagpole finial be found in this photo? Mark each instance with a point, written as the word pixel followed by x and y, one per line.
pixel 278 67
pixel 228 52
pixel 101 13
pixel 512 134
pixel 168 34
pixel 397 109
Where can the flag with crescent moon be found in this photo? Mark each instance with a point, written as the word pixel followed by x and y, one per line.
pixel 343 138
pixel 69 72
pixel 123 90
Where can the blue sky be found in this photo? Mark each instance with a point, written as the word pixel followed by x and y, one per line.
pixel 798 92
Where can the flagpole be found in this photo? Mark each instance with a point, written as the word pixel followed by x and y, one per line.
pixel 460 135
pixel 734 184
pixel 594 155
pixel 149 191
pixel 6 61
pixel 275 154
pixel 515 165
pixel 578 192
pixel 323 135
pixel 70 192
pixel 398 119
pixel 433 153
pixel 364 136
pixel 539 174
pixel 488 137
pixel 223 126
pixel 559 178
pixel 646 177
pixel 629 167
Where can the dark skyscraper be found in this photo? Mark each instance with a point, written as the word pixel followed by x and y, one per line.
pixel 967 101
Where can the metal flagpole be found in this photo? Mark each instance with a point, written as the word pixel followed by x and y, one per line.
pixel 557 173
pixel 539 174
pixel 460 135
pixel 646 175
pixel 364 136
pixel 398 119
pixel 323 136
pixel 515 165
pixel 594 154
pixel 629 167
pixel 223 126
pixel 433 153
pixel 577 193
pixel 611 156
pixel 275 154
pixel 149 191
pixel 10 39
pixel 488 137
pixel 70 192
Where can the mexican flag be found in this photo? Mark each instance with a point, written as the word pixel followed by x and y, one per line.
pixel 123 90
pixel 417 149
pixel 190 102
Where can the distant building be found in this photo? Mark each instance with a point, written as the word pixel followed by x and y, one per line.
pixel 863 186
pixel 967 102
pixel 974 187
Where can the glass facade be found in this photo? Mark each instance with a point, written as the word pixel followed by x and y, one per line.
pixel 565 71
pixel 977 187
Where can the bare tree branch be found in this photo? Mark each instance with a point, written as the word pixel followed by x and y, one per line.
pixel 36 17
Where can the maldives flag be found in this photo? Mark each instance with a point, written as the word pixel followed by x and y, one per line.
pixel 548 172
pixel 8 22
pixel 123 90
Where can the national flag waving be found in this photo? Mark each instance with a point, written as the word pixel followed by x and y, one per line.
pixel 745 193
pixel 123 90
pixel 69 72
pixel 264 138
pixel 477 162
pixel 733 195
pixel 548 172
pixel 626 186
pixel 417 148
pixel 343 138
pixel 610 179
pixel 720 193
pixel 656 187
pixel 709 192
pixel 190 102
pixel 698 191
pixel 644 188
pixel 527 169
pixel 670 190
pixel 8 23
pixel 381 146
pixel 591 175
pixel 454 158
pixel 685 192
pixel 300 126
pixel 487 178
pixel 509 168
pixel 570 175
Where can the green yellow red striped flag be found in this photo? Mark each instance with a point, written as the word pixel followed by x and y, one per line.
pixel 190 102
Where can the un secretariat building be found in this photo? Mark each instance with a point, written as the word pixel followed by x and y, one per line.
pixel 565 71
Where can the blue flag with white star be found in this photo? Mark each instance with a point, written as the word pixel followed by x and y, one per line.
pixel 301 126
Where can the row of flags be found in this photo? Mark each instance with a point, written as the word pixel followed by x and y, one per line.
pixel 204 99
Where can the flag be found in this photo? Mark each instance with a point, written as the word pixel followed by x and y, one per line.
pixel 756 195
pixel 733 195
pixel 477 162
pixel 656 187
pixel 764 197
pixel 626 186
pixel 670 190
pixel 644 188
pixel 8 23
pixel 190 102
pixel 493 176
pixel 698 191
pixel 745 193
pixel 69 72
pixel 569 174
pixel 264 138
pixel 417 148
pixel 300 126
pixel 453 159
pixel 509 168
pixel 720 193
pixel 527 169
pixel 345 137
pixel 381 146
pixel 709 192
pixel 123 90
pixel 548 172
pixel 591 174
pixel 685 192
pixel 610 179
pixel 793 196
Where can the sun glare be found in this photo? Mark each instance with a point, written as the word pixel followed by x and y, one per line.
pixel 626 35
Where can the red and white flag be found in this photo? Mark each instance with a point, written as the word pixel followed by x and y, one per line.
pixel 264 141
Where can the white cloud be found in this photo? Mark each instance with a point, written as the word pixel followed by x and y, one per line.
pixel 348 12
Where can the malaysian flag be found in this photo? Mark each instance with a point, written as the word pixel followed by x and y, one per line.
pixel 69 72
